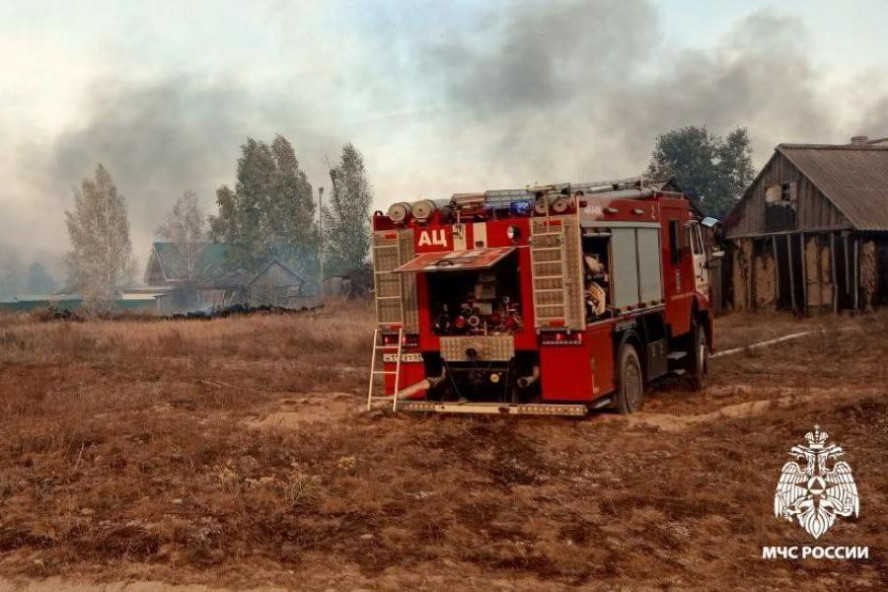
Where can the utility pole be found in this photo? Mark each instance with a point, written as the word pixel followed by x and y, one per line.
pixel 321 240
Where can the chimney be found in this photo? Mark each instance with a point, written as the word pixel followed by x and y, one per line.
pixel 860 140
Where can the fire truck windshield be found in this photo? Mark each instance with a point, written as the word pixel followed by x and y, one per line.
pixel 478 302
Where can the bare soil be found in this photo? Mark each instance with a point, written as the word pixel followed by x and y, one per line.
pixel 192 455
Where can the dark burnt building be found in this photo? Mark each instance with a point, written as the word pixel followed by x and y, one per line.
pixel 811 232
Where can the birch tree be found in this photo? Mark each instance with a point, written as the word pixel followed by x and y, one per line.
pixel 347 218
pixel 101 260
pixel 185 228
pixel 270 213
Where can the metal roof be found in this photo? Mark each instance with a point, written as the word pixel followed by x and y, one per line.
pixel 853 177
pixel 210 261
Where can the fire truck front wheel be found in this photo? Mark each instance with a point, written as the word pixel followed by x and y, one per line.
pixel 699 360
pixel 630 387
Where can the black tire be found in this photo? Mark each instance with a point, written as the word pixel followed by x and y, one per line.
pixel 630 380
pixel 698 365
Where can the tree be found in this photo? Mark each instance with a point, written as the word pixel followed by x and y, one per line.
pixel 39 280
pixel 347 218
pixel 184 227
pixel 712 170
pixel 101 259
pixel 270 213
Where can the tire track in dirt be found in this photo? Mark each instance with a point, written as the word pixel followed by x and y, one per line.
pixel 300 409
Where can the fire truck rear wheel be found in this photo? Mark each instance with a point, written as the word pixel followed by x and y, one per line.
pixel 699 362
pixel 630 387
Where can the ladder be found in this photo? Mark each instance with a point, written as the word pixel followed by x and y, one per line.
pixel 377 348
pixel 388 286
pixel 547 264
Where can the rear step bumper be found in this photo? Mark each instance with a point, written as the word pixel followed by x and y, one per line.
pixel 575 410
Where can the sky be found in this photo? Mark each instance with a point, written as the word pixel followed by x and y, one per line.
pixel 441 97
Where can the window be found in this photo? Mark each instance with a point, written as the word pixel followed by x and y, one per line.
pixel 782 193
pixel 674 247
pixel 786 193
pixel 780 206
pixel 696 239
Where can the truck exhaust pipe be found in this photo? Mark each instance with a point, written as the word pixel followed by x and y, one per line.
pixel 526 381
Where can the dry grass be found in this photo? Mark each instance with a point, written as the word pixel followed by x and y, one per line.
pixel 130 450
pixel 744 328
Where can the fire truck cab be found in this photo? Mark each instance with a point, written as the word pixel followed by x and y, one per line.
pixel 547 300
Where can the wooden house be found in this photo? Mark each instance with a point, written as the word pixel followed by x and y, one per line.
pixel 201 277
pixel 811 232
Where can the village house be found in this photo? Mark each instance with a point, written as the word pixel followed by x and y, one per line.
pixel 811 232
pixel 201 278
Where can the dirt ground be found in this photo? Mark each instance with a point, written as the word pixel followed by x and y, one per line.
pixel 202 455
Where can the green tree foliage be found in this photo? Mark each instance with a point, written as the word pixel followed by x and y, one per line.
pixel 101 259
pixel 712 170
pixel 270 212
pixel 185 227
pixel 347 217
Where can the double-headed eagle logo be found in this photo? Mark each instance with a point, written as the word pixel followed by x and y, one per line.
pixel 817 493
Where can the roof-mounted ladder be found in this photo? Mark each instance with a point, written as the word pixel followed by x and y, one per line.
pixel 547 265
pixel 388 286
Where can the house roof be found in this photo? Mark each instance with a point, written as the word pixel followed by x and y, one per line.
pixel 853 177
pixel 212 260
pixel 274 262
pixel 213 268
pixel 44 297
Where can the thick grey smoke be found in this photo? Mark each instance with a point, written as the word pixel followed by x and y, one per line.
pixel 18 277
pixel 875 120
pixel 160 139
pixel 12 272
pixel 157 139
pixel 759 77
pixel 154 138
pixel 546 57
pixel 496 97
pixel 570 91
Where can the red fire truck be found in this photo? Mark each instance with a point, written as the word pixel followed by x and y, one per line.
pixel 549 300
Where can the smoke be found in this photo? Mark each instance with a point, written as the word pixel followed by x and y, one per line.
pixel 580 90
pixel 875 120
pixel 759 77
pixel 441 99
pixel 532 89
pixel 546 57
pixel 156 139
pixel 17 277
pixel 11 272
pixel 159 139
